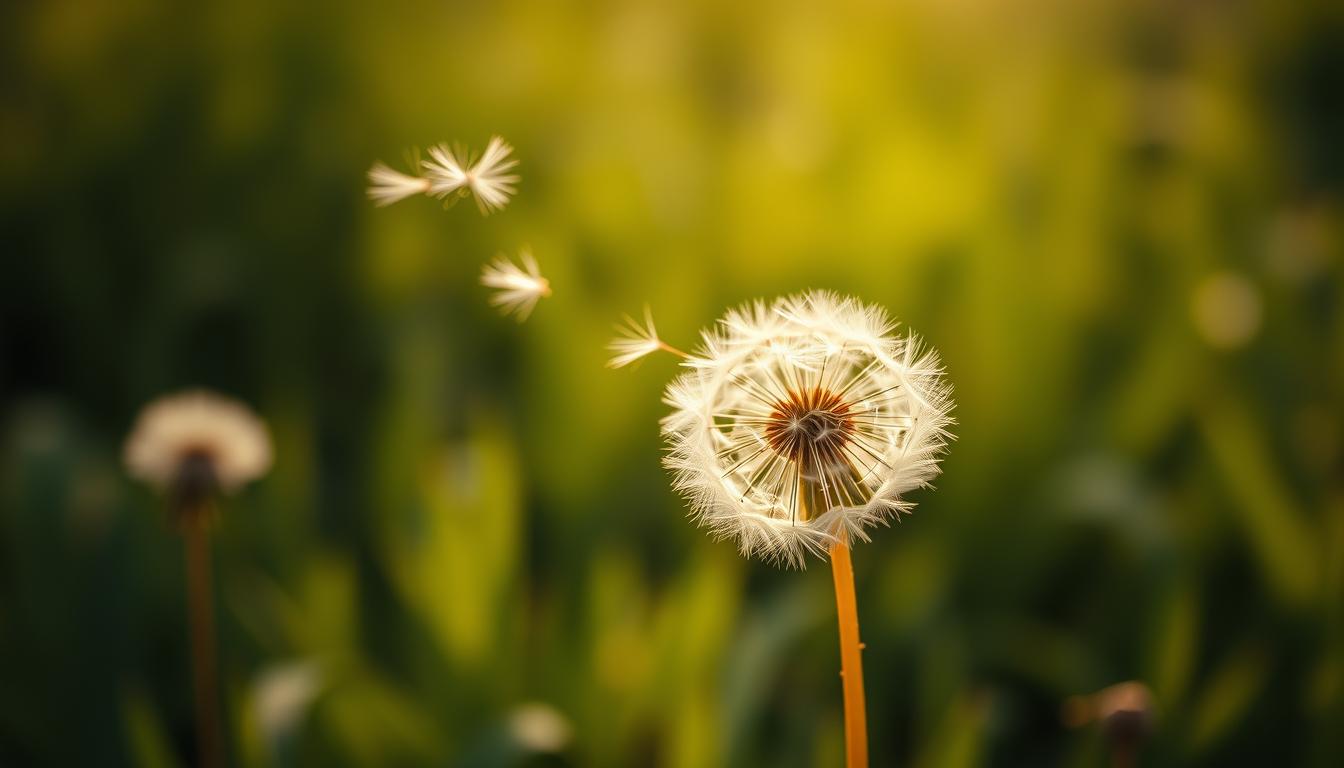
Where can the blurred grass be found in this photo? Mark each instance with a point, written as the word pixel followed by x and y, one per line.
pixel 467 515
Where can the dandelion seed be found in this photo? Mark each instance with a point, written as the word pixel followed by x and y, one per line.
pixel 454 172
pixel 637 341
pixel 518 289
pixel 387 186
pixel 802 423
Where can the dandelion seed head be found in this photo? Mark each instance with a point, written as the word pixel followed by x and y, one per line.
pixel 454 173
pixel 804 421
pixel 518 289
pixel 195 443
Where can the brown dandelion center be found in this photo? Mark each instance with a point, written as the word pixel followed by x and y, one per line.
pixel 811 428
pixel 194 485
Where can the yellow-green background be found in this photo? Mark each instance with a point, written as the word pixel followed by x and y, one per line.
pixel 467 514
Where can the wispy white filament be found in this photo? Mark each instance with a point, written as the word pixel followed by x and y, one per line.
pixel 758 466
pixel 387 186
pixel 452 171
pixel 517 289
pixel 635 341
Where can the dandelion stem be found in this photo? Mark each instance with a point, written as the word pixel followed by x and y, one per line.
pixel 200 606
pixel 851 657
pixel 669 348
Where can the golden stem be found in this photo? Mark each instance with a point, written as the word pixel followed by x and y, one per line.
pixel 669 348
pixel 851 657
pixel 200 607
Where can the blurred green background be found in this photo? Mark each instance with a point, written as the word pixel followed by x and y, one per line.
pixel 1120 222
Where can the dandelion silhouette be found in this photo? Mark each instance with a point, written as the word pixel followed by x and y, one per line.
pixel 1125 711
pixel 194 447
pixel 799 426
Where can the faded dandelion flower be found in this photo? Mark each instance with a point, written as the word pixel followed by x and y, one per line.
pixel 454 173
pixel 1125 712
pixel 803 422
pixel 282 695
pixel 636 341
pixel 387 186
pixel 539 727
pixel 196 444
pixel 1226 309
pixel 518 289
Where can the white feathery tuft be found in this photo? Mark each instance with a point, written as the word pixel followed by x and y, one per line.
pixel 453 172
pixel 635 341
pixel 387 186
pixel 220 429
pixel 517 289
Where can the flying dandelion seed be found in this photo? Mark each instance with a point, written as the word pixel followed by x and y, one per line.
pixel 518 289
pixel 387 186
pixel 454 173
pixel 803 423
pixel 637 341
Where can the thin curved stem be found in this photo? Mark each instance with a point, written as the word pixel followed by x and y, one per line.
pixel 851 657
pixel 669 348
pixel 200 607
